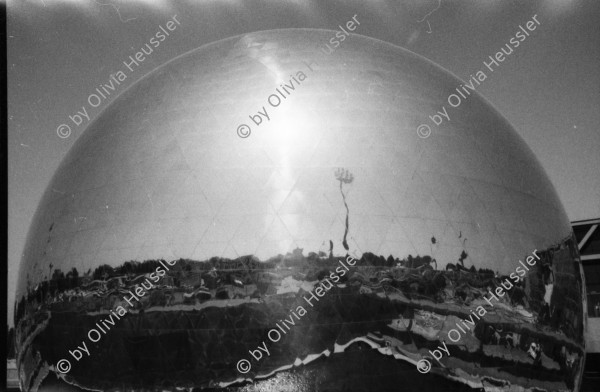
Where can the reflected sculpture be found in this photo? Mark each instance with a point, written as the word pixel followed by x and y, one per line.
pixel 219 237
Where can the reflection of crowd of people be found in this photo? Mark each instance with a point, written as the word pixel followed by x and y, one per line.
pixel 533 346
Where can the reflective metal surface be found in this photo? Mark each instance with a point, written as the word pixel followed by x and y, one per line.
pixel 337 168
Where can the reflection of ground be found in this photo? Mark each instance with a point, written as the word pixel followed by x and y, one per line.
pixel 203 317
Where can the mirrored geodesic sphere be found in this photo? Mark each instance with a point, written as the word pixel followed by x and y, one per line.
pixel 266 191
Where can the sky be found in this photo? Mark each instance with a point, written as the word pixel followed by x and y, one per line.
pixel 59 52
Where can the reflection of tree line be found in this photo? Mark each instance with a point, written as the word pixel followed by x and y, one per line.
pixel 214 273
pixel 72 279
pixel 60 281
pixel 424 281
